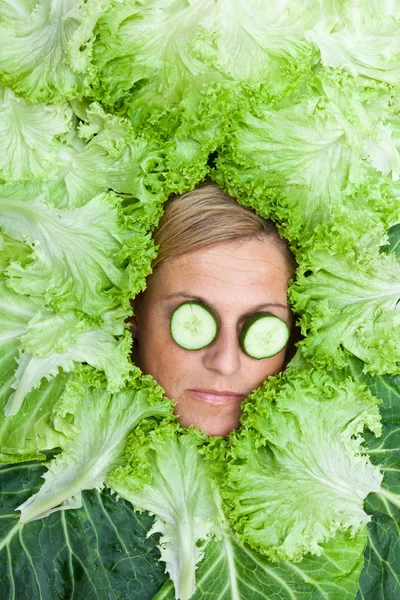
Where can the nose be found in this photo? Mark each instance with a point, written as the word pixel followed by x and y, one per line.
pixel 224 354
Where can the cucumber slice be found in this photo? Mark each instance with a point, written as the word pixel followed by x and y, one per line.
pixel 263 335
pixel 193 326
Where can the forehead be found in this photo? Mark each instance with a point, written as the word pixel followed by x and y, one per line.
pixel 251 268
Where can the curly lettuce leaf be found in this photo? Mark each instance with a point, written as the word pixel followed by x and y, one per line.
pixel 360 37
pixel 330 146
pixel 11 249
pixel 94 346
pixel 68 245
pixel 102 421
pixel 259 41
pixel 15 313
pixel 347 293
pixel 168 44
pixel 34 429
pixel 36 343
pixel 165 475
pixel 189 64
pixel 30 137
pixel 105 154
pixel 297 472
pixel 26 435
pixel 145 43
pixel 161 83
pixel 39 38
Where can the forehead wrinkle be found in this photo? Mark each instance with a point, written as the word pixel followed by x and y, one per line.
pixel 254 270
pixel 254 261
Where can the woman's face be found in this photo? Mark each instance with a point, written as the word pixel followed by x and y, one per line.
pixel 235 279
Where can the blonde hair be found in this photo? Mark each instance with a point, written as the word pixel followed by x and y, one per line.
pixel 207 216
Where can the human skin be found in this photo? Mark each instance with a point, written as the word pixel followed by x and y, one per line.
pixel 236 278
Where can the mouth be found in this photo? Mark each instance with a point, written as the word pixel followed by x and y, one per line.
pixel 217 397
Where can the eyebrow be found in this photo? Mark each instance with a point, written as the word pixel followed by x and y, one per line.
pixel 209 305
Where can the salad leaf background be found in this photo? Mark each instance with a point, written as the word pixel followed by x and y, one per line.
pixel 380 577
pixel 101 551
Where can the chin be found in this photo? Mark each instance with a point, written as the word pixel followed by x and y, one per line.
pixel 212 427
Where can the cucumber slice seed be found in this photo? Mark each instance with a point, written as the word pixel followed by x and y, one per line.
pixel 193 326
pixel 263 335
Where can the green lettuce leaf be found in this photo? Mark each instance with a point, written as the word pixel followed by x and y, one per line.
pixel 380 576
pixel 102 422
pixel 347 293
pixel 22 437
pixel 146 44
pixel 11 249
pixel 330 146
pixel 258 42
pixel 93 346
pixel 35 343
pixel 101 550
pixel 99 154
pixel 186 63
pixel 105 547
pixel 30 137
pixel 230 569
pixel 69 244
pixel 296 472
pixel 360 37
pixel 105 154
pixel 39 38
pixel 166 476
pixel 34 430
pixel 15 314
pixel 165 45
pixel 162 84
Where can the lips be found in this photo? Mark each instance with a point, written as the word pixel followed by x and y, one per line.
pixel 217 397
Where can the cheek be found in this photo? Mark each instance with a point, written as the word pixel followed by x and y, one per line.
pixel 162 358
pixel 259 370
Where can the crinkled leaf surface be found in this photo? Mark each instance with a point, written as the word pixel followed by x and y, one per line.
pixel 329 146
pixel 15 313
pixel 187 62
pixel 167 476
pixel 164 45
pixel 111 158
pixel 67 245
pixel 380 578
pixel 11 249
pixel 230 571
pixel 296 473
pixel 102 422
pixel 36 343
pixel 37 39
pixel 29 137
pixel 101 551
pixel 24 436
pixel 347 293
pixel 98 551
pixel 366 44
